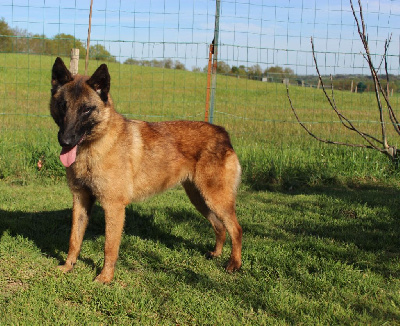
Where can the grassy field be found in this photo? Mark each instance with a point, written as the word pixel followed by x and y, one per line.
pixel 319 256
pixel 273 148
pixel 321 232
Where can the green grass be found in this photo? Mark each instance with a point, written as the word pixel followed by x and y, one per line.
pixel 321 248
pixel 327 256
pixel 273 148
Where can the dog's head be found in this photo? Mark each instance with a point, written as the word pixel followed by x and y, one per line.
pixel 80 106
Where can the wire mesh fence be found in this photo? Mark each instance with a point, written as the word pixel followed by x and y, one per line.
pixel 157 53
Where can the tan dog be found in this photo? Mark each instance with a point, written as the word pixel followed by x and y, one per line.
pixel 119 161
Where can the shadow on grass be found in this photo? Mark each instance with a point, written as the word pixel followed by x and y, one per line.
pixel 50 231
pixel 344 223
pixel 351 234
pixel 145 227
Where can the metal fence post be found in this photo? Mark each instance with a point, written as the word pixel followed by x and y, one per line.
pixel 209 69
pixel 214 66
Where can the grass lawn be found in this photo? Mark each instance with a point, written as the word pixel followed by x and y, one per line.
pixel 316 256
pixel 321 223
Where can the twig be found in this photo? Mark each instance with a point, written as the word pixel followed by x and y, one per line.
pixel 374 74
pixel 390 151
pixel 324 140
pixel 346 122
pixel 88 38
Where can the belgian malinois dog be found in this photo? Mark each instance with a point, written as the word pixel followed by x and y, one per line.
pixel 118 161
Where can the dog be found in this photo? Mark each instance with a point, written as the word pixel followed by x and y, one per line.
pixel 117 161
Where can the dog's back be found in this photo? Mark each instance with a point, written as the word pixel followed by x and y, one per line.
pixel 179 151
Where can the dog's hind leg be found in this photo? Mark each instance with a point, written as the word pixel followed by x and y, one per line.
pixel 83 202
pixel 218 185
pixel 235 232
pixel 225 212
pixel 220 231
pixel 115 218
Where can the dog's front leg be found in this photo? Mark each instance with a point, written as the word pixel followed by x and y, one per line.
pixel 115 217
pixel 83 202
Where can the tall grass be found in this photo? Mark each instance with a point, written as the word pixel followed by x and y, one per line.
pixel 273 148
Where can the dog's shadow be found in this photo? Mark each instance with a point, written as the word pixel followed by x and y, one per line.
pixel 50 230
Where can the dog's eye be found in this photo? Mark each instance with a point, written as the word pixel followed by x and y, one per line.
pixel 62 106
pixel 88 109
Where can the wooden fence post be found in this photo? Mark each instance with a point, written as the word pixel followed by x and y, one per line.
pixel 73 64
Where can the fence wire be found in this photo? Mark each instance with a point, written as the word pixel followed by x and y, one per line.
pixel 157 53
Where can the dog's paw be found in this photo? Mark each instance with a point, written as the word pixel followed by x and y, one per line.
pixel 210 255
pixel 104 277
pixel 65 268
pixel 233 265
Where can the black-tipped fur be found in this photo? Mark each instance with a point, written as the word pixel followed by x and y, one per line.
pixel 100 82
pixel 60 75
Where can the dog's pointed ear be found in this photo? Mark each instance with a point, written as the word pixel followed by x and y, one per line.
pixel 60 75
pixel 100 82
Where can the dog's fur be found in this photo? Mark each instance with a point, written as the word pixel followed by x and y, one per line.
pixel 118 161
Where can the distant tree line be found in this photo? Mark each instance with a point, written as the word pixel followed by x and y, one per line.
pixel 274 73
pixel 16 40
pixel 359 83
pixel 20 41
pixel 165 63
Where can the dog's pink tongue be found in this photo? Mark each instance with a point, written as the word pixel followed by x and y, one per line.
pixel 68 156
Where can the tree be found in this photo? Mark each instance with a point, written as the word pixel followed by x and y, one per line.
pixel 6 42
pixel 223 68
pixel 288 72
pixel 235 70
pixel 168 63
pixel 99 52
pixel 63 43
pixel 242 70
pixel 131 61
pixel 39 44
pixel 20 40
pixel 361 86
pixel 254 71
pixel 279 72
pixel 179 65
pixel 370 141
pixel 273 70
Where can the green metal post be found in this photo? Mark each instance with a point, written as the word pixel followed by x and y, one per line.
pixel 214 66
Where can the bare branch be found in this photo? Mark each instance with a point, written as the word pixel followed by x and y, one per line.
pixel 367 56
pixel 371 146
pixel 392 115
pixel 390 151
pixel 383 59
pixel 346 122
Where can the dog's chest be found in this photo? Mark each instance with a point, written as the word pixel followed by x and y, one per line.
pixel 83 172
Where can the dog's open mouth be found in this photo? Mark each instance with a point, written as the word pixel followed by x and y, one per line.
pixel 68 154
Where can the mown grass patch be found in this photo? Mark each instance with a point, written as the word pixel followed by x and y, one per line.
pixel 327 256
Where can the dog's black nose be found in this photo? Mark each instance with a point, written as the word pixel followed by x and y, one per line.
pixel 65 141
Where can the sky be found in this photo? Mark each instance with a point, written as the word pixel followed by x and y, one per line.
pixel 264 32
